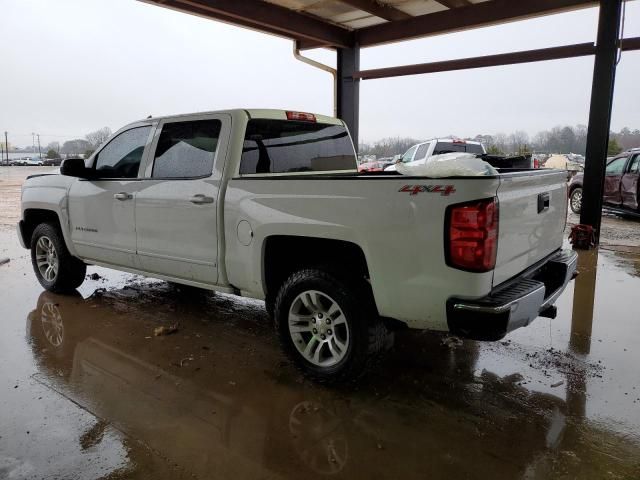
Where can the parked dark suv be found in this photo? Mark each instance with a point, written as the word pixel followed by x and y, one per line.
pixel 620 183
pixel 52 162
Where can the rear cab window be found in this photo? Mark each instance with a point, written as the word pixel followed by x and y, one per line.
pixel 449 147
pixel 288 146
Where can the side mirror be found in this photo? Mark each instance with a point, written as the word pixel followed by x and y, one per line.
pixel 74 167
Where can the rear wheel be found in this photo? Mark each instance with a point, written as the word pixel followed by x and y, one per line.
pixel 55 268
pixel 575 200
pixel 328 326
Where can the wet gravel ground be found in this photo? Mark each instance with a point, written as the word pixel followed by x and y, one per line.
pixel 88 390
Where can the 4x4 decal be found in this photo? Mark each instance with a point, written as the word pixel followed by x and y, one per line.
pixel 444 190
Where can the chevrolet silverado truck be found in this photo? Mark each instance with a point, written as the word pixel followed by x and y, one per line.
pixel 269 204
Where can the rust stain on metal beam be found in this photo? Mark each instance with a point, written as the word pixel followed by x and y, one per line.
pixel 388 12
pixel 454 3
pixel 267 17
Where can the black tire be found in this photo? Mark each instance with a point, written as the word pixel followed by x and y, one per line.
pixel 270 306
pixel 368 336
pixel 575 200
pixel 71 271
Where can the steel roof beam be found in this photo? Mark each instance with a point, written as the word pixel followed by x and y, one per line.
pixel 473 16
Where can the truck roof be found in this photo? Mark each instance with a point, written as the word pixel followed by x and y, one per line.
pixel 268 113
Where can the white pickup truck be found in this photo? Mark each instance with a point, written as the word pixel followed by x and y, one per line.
pixel 419 154
pixel 269 204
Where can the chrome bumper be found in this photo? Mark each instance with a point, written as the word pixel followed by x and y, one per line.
pixel 515 303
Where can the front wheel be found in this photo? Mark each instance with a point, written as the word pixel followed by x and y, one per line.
pixel 575 200
pixel 55 268
pixel 328 325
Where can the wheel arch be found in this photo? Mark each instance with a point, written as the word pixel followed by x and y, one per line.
pixel 34 216
pixel 283 255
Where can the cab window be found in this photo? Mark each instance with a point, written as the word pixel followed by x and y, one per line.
pixel 186 149
pixel 121 157
pixel 422 151
pixel 286 146
pixel 616 166
pixel 408 155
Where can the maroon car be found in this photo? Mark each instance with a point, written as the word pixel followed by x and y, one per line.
pixel 620 183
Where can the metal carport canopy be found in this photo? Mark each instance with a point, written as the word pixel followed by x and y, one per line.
pixel 348 25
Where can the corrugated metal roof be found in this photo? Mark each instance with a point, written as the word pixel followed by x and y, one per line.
pixel 340 23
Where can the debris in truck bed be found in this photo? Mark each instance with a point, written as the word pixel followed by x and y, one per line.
pixel 455 164
pixel 165 330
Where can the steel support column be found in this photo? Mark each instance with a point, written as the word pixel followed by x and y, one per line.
pixel 348 101
pixel 604 71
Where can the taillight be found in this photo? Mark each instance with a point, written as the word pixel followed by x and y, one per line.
pixel 473 235
pixel 301 116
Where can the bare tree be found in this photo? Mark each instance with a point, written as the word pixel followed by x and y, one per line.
pixel 53 146
pixel 98 137
pixel 75 147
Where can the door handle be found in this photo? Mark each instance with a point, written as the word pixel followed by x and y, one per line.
pixel 122 196
pixel 543 202
pixel 200 199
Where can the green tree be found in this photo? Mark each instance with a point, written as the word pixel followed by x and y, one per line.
pixel 494 150
pixel 52 154
pixel 614 148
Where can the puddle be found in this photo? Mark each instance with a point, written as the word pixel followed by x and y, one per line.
pixel 101 396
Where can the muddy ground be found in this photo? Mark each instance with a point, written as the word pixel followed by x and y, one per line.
pixel 89 392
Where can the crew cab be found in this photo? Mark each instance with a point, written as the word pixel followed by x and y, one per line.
pixel 269 204
pixel 621 184
pixel 420 153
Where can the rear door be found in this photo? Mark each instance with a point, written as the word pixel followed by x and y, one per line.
pixel 629 183
pixel 532 215
pixel 612 179
pixel 177 210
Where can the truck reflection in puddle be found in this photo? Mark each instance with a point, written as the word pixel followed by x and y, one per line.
pixel 427 413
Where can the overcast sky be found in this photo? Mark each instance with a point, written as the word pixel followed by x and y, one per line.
pixel 71 66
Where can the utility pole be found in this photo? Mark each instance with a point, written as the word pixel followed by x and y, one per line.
pixel 6 146
pixel 39 151
pixel 33 142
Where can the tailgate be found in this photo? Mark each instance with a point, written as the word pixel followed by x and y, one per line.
pixel 533 211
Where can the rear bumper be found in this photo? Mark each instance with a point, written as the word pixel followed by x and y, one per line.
pixel 515 303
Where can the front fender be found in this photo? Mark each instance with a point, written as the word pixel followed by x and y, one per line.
pixel 36 195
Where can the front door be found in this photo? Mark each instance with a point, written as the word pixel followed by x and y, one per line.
pixel 629 183
pixel 177 210
pixel 612 179
pixel 101 211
